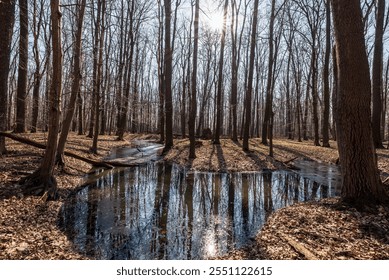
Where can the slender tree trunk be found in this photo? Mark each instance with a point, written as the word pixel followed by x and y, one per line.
pixel 360 174
pixel 377 74
pixel 43 179
pixel 7 17
pixel 168 71
pixel 97 83
pixel 220 78
pixel 193 101
pixel 326 74
pixel 20 126
pixel 269 86
pixel 334 92
pixel 253 43
pixel 75 89
pixel 315 97
pixel 37 74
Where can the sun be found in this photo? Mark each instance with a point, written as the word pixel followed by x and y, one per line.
pixel 215 21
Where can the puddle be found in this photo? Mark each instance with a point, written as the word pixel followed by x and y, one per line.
pixel 159 211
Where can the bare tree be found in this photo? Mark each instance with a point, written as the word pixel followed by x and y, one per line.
pixel 43 180
pixel 326 82
pixel 253 43
pixel 76 75
pixel 193 100
pixel 220 78
pixel 168 72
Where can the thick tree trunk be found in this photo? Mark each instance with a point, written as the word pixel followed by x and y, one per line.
pixel 7 17
pixel 361 180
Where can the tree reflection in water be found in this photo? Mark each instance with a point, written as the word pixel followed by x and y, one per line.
pixel 160 211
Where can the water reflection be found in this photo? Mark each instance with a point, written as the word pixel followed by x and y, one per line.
pixel 159 211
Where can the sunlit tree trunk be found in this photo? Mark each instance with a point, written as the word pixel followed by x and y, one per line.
pixel 43 180
pixel 361 181
pixel 75 90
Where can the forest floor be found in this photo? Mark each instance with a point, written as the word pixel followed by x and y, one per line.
pixel 321 230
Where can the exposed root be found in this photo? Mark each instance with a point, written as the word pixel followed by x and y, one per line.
pixel 39 185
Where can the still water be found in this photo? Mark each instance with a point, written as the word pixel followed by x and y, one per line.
pixel 160 211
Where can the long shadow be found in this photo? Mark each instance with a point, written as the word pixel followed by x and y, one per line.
pixel 296 153
pixel 258 162
pixel 221 159
pixel 382 155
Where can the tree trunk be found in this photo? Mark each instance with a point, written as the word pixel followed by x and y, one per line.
pixel 220 78
pixel 246 133
pixel 20 126
pixel 75 90
pixel 7 17
pixel 269 86
pixel 360 174
pixel 377 74
pixel 37 74
pixel 193 101
pixel 168 71
pixel 326 73
pixel 99 60
pixel 42 180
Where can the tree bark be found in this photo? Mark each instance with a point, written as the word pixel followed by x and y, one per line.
pixel 193 101
pixel 377 74
pixel 43 180
pixel 326 82
pixel 360 174
pixel 220 78
pixel 7 17
pixel 168 71
pixel 269 86
pixel 253 43
pixel 75 90
pixel 20 126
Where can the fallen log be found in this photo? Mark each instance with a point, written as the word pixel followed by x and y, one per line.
pixel 300 248
pixel 96 163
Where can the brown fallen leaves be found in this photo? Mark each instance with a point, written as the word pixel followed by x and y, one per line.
pixel 28 226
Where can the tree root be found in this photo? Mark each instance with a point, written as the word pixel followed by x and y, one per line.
pixel 39 185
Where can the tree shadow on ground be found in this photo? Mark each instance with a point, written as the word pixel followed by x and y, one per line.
pixel 221 158
pixel 254 156
pixel 294 152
